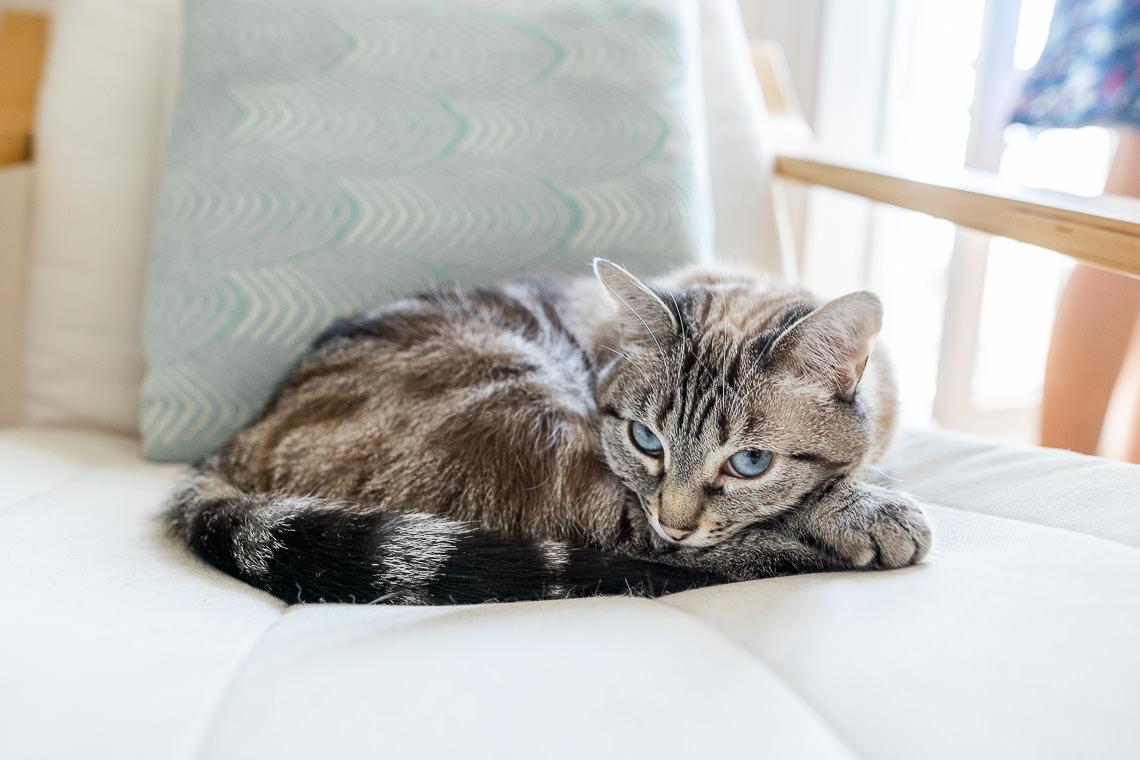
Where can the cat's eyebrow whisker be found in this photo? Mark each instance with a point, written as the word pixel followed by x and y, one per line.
pixel 680 321
pixel 700 362
pixel 660 351
pixel 752 370
pixel 725 390
pixel 619 353
pixel 685 337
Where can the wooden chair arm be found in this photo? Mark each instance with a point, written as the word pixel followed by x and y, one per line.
pixel 23 42
pixel 1102 231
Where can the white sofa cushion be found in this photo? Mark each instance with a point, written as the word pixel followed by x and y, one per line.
pixel 97 146
pixel 1016 639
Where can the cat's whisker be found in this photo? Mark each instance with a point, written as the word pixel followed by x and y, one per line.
pixel 728 392
pixel 660 351
pixel 614 350
pixel 685 337
pixel 700 363
pixel 884 474
pixel 680 321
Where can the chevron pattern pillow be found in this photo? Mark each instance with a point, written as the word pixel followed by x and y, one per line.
pixel 328 155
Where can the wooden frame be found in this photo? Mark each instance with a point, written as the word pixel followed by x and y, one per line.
pixel 23 44
pixel 1102 231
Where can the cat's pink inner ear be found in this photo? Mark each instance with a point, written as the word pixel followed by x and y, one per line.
pixel 833 343
pixel 639 307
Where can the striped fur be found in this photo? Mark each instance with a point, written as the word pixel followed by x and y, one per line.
pixel 304 549
pixel 473 444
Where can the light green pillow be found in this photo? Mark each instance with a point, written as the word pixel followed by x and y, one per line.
pixel 328 155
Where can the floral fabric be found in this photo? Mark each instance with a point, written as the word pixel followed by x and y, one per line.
pixel 1089 72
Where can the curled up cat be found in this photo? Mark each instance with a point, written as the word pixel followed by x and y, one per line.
pixel 562 438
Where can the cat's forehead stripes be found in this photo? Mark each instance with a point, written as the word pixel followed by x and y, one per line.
pixel 727 332
pixel 787 317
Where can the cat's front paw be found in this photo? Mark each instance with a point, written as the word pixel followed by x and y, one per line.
pixel 873 528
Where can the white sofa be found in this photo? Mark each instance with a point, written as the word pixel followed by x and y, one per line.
pixel 1018 638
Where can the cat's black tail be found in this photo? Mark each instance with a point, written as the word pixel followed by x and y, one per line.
pixel 308 550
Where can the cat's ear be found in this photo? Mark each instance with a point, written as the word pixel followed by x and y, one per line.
pixel 642 311
pixel 831 345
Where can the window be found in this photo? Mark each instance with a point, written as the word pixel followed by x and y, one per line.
pixel 968 315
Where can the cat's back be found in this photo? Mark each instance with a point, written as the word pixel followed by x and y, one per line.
pixel 437 401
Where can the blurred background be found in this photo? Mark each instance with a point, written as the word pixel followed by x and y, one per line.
pixel 930 86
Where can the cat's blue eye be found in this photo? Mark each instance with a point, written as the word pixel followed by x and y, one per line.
pixel 644 439
pixel 749 463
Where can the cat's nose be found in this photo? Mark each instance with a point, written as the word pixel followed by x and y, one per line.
pixel 675 533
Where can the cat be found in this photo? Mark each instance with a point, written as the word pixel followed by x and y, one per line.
pixel 560 438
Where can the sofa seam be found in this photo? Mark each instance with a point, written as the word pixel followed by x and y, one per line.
pixel 840 738
pixel 198 746
pixel 53 487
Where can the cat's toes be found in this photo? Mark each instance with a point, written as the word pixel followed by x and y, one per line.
pixel 854 546
pixel 883 532
pixel 902 534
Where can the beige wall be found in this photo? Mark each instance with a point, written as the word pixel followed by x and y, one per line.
pixel 796 25
pixel 28 5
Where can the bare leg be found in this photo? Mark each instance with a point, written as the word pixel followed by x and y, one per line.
pixel 1132 445
pixel 1091 334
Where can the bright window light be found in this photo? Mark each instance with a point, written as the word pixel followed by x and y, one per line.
pixel 927 125
pixel 1023 281
pixel 1032 32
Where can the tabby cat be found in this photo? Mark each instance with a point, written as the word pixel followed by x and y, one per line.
pixel 560 438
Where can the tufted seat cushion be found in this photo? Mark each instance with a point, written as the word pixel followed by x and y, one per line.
pixel 1016 639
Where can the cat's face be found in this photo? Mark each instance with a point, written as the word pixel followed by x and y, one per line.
pixel 730 405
